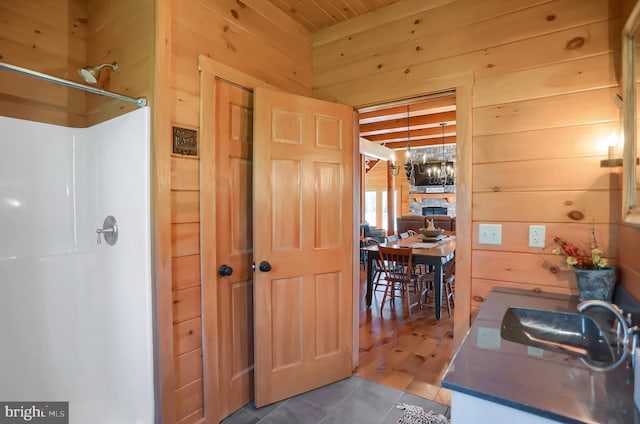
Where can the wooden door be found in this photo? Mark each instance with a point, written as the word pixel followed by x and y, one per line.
pixel 233 176
pixel 303 227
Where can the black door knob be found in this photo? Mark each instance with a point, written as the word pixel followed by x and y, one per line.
pixel 264 266
pixel 225 270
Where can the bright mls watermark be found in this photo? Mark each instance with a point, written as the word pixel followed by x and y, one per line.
pixel 34 412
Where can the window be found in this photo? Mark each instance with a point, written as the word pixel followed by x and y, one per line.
pixel 385 211
pixel 370 206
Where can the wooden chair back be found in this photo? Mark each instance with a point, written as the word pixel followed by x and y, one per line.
pixel 397 263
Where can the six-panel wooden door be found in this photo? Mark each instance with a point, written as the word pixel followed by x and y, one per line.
pixel 234 247
pixel 302 226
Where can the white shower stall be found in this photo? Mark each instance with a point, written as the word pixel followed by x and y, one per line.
pixel 75 314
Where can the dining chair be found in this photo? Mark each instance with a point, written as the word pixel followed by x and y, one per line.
pixel 400 276
pixel 448 285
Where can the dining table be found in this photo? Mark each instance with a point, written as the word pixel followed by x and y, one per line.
pixel 435 253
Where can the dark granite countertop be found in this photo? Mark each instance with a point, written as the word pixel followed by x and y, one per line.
pixel 548 384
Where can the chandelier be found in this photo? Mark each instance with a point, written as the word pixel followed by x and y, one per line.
pixel 432 172
pixel 438 172
pixel 409 168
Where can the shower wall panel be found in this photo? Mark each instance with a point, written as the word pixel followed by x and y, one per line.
pixel 77 315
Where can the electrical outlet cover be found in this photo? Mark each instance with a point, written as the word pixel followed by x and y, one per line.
pixel 536 235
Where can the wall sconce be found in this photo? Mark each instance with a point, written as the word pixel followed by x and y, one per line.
pixel 614 159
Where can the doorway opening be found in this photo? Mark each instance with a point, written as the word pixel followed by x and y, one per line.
pixel 402 177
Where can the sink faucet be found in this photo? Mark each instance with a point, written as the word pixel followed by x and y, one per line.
pixel 626 331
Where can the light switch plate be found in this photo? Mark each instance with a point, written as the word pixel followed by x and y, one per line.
pixel 536 235
pixel 490 234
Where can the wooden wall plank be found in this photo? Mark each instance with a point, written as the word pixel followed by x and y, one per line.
pixel 548 143
pixel 188 399
pixel 49 37
pixel 462 50
pixel 556 111
pixel 185 173
pixel 185 272
pixel 542 269
pixel 185 239
pixel 186 304
pixel 45 11
pixel 551 206
pixel 586 74
pixel 186 108
pixel 184 74
pixel 64 37
pixel 187 336
pixel 452 30
pixel 196 417
pixel 542 175
pixel 188 367
pixel 185 206
pixel 569 44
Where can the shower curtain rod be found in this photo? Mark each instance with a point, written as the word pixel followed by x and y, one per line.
pixel 140 101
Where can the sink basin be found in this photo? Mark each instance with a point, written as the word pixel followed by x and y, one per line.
pixel 573 334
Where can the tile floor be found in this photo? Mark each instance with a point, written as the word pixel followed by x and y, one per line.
pixel 350 401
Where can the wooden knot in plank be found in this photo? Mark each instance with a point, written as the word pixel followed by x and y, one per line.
pixel 576 215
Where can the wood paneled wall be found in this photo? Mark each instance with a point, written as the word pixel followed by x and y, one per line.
pixel 124 32
pixel 544 75
pixel 58 38
pixel 255 38
pixel 47 36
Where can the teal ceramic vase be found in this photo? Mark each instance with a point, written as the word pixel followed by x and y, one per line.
pixel 596 284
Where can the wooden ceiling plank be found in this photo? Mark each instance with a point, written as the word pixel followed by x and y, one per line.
pixel 375 18
pixel 351 8
pixel 435 118
pixel 297 14
pixel 335 13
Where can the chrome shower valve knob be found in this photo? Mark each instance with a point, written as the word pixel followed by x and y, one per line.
pixel 109 231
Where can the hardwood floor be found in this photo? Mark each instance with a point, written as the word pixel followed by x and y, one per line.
pixel 409 354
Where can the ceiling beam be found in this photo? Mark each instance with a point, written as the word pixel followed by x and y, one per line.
pixel 421 108
pixel 400 124
pixel 402 135
pixel 422 143
pixel 375 150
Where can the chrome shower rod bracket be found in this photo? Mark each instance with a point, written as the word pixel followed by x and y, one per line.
pixel 140 101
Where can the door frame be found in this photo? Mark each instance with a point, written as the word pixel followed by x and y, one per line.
pixel 463 85
pixel 210 70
